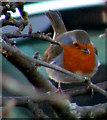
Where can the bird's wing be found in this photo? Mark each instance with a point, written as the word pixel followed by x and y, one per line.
pixel 59 28
pixel 51 53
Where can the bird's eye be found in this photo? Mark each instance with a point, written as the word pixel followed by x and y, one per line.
pixel 86 51
pixel 76 44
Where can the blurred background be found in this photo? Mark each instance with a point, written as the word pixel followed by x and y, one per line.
pixel 87 15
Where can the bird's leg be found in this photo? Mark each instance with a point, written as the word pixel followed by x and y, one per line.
pixel 89 87
pixel 59 88
pixel 92 91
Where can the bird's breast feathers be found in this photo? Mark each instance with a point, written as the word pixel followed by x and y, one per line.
pixel 76 60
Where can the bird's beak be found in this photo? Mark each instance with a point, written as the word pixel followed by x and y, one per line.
pixel 87 51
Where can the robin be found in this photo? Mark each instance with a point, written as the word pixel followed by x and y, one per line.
pixel 76 54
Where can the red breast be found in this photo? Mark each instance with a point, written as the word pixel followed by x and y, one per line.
pixel 76 60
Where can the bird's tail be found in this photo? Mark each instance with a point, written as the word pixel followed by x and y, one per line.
pixel 57 22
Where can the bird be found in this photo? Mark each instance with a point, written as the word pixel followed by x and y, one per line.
pixel 76 52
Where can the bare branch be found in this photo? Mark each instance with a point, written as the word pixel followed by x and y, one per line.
pixel 36 110
pixel 37 35
pixel 26 65
pixel 27 103
pixel 13 86
pixel 13 22
pixel 98 89
pixel 83 89
pixel 30 29
pixel 10 6
pixel 7 109
pixel 64 108
pixel 36 62
pixel 77 112
pixel 95 111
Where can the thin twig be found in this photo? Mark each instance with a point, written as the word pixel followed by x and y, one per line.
pixel 98 89
pixel 37 35
pixel 11 6
pixel 83 89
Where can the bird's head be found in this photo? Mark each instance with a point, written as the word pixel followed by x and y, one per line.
pixel 81 41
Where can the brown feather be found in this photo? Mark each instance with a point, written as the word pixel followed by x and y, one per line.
pixel 52 52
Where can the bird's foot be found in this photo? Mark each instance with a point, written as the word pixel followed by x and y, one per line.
pixel 59 91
